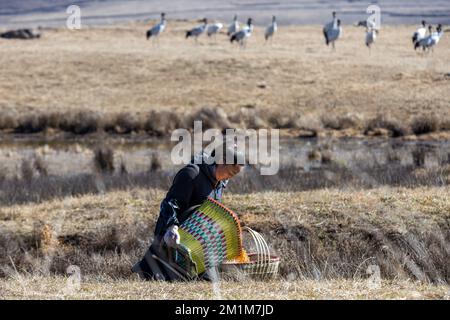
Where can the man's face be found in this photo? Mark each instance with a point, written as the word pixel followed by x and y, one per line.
pixel 227 171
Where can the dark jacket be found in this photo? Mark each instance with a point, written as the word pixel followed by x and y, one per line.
pixel 191 186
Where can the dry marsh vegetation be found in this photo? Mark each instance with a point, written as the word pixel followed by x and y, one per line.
pixel 112 79
pixel 33 183
pixel 320 235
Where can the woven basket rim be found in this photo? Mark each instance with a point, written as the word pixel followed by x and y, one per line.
pixel 273 259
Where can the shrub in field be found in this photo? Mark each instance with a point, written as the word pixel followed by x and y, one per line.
pixel 445 124
pixel 40 166
pixel 26 170
pixel 123 123
pixel 8 120
pixel 80 122
pixel 104 159
pixel 211 117
pixel 338 122
pixel 280 120
pixel 394 128
pixel 155 163
pixel 424 124
pixel 418 155
pixel 31 123
pixel 162 123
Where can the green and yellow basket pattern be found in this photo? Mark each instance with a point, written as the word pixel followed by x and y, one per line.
pixel 211 235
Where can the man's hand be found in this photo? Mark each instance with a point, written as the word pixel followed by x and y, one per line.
pixel 172 237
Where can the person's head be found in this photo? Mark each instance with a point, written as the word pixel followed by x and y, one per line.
pixel 227 171
pixel 230 163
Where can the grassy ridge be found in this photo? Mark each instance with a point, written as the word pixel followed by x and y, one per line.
pixel 323 234
pixel 162 123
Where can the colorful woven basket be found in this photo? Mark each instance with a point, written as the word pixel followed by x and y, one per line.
pixel 209 236
pixel 261 264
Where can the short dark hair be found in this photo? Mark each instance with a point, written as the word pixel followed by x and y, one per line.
pixel 228 153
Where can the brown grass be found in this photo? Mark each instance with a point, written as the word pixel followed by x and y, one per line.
pixel 110 289
pixel 425 124
pixel 109 79
pixel 323 234
pixel 114 70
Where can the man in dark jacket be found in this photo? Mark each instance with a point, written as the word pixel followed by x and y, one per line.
pixel 191 186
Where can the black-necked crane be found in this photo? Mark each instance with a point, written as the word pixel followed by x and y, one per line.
pixel 214 29
pixel 431 40
pixel 271 29
pixel 197 31
pixel 332 31
pixel 420 33
pixel 156 30
pixel 242 36
pixel 234 26
pixel 371 36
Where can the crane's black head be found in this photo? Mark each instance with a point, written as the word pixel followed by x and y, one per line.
pixel 439 27
pixel 274 18
pixel 334 14
pixel 235 17
pixel 205 21
pixel 430 28
pixel 339 22
pixel 424 23
pixel 249 21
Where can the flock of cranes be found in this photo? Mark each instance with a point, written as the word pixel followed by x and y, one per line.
pixel 426 41
pixel 235 32
pixel 332 31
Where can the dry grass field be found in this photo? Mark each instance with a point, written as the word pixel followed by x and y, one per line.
pixel 330 225
pixel 327 240
pixel 56 288
pixel 113 69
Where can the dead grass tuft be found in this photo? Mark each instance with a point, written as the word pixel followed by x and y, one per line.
pixel 381 122
pixel 104 159
pixel 424 124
